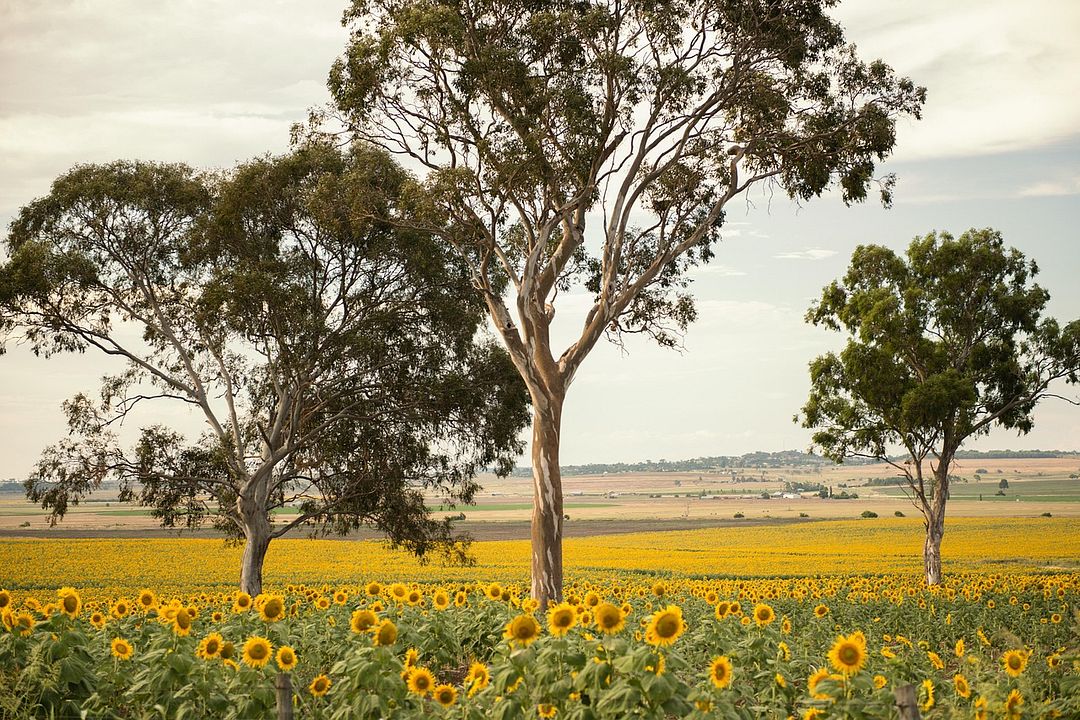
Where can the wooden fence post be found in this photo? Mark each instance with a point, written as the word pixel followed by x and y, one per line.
pixel 907 702
pixel 283 684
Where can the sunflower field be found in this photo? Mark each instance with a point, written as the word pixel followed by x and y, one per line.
pixel 991 641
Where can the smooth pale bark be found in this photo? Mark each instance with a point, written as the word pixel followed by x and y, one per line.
pixel 547 518
pixel 935 529
pixel 934 520
pixel 251 566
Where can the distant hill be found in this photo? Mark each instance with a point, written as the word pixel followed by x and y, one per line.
pixel 784 458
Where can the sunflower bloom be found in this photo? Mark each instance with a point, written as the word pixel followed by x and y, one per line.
pixel 362 621
pixel 445 695
pixel 1014 662
pixel 286 658
pixel 960 683
pixel 523 630
pixel 665 627
pixel 609 619
pixel 121 649
pixel 763 614
pixel 210 646
pixel 420 681
pixel 720 672
pixel 926 690
pixel 385 634
pixel 478 678
pixel 848 653
pixel 257 651
pixel 272 609
pixel 70 602
pixel 561 618
pixel 1013 703
pixel 319 686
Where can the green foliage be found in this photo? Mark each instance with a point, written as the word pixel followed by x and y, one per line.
pixel 943 344
pixel 335 358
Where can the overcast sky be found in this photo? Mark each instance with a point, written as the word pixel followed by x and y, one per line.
pixel 212 83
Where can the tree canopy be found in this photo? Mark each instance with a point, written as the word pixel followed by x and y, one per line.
pixel 593 146
pixel 338 361
pixel 944 344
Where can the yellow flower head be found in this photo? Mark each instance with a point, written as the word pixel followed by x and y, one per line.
pixel 478 678
pixel 122 649
pixel 363 620
pixel 210 646
pixel 561 618
pixel 763 614
pixel 545 710
pixel 286 658
pixel 242 602
pixel 70 602
pixel 926 693
pixel 665 626
pixel 420 681
pixel 720 671
pixel 523 630
pixel 257 651
pixel 319 686
pixel 1014 662
pixel 385 633
pixel 848 654
pixel 609 619
pixel 120 609
pixel 963 688
pixel 445 695
pixel 272 609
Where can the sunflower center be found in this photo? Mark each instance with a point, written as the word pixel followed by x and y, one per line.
pixel 849 655
pixel 667 626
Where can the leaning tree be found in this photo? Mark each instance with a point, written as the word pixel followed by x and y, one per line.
pixel 333 358
pixel 594 145
pixel 943 345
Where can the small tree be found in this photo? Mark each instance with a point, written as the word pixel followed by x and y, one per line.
pixel 595 146
pixel 332 358
pixel 1003 484
pixel 943 345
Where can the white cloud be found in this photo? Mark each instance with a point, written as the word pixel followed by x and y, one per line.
pixel 814 253
pixel 1000 75
pixel 1066 186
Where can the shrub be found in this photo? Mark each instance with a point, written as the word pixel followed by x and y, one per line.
pixel 869 514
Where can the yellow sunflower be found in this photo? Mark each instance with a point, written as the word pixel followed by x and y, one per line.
pixel 319 686
pixel 926 692
pixel 121 649
pixel 398 592
pixel 722 610
pixel 848 654
pixel 97 620
pixel 286 658
pixel 609 619
pixel 1013 703
pixel 210 646
pixel 120 609
pixel 523 630
pixel 5 599
pixel 257 651
pixel 494 591
pixel 242 602
pixel 181 622
pixel 821 610
pixel 341 597
pixel 720 672
pixel 763 614
pixel 373 588
pixel 561 618
pixel 963 689
pixel 445 695
pixel 272 609
pixel 363 620
pixel 385 633
pixel 440 600
pixel 420 681
pixel 546 710
pixel 70 602
pixel 814 680
pixel 1014 662
pixel 478 678
pixel 665 627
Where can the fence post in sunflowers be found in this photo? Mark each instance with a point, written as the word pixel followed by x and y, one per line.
pixel 283 686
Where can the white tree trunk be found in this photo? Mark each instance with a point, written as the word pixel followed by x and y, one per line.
pixel 547 518
pixel 935 530
pixel 257 535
